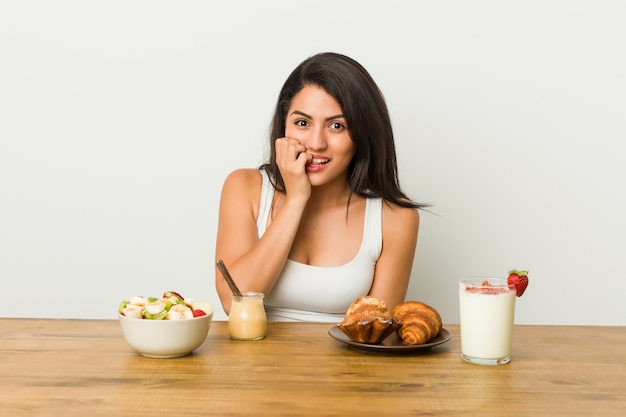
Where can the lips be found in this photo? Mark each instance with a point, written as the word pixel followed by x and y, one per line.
pixel 318 161
pixel 316 165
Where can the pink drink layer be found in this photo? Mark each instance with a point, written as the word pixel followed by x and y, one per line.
pixel 487 316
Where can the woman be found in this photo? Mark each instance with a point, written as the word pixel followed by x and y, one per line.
pixel 324 221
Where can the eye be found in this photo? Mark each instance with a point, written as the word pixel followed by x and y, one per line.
pixel 301 123
pixel 337 126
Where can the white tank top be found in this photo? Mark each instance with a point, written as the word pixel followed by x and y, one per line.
pixel 314 293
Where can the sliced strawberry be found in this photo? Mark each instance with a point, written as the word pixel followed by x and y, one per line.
pixel 198 313
pixel 518 280
pixel 169 294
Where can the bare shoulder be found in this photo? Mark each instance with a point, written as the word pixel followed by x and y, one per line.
pixel 244 181
pixel 244 176
pixel 241 192
pixel 397 218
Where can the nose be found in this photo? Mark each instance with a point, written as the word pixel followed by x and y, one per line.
pixel 315 139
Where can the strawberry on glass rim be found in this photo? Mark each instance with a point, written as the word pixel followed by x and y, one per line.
pixel 518 280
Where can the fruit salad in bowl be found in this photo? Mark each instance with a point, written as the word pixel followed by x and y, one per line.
pixel 171 306
pixel 165 327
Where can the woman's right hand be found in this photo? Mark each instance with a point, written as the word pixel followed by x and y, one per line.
pixel 291 158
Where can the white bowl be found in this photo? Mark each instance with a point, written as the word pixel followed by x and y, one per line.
pixel 165 338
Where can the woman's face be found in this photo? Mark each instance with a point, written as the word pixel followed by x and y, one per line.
pixel 316 120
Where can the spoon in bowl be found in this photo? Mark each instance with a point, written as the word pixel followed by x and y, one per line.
pixel 228 278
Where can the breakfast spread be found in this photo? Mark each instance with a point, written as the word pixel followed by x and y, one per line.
pixel 171 306
pixel 369 321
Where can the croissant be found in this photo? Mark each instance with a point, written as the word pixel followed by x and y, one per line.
pixel 420 322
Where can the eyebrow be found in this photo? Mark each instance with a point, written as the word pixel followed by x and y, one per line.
pixel 337 116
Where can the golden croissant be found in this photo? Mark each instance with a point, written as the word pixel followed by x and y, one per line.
pixel 420 322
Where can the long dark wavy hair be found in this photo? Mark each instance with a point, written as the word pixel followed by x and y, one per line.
pixel 373 171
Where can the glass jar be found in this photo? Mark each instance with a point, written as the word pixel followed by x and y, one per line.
pixel 247 319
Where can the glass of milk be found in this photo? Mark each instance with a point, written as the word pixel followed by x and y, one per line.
pixel 487 310
pixel 247 319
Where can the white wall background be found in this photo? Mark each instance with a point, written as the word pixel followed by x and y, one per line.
pixel 119 120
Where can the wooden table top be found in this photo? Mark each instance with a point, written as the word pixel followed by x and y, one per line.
pixel 52 367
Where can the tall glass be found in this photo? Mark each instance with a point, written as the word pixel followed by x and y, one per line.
pixel 247 319
pixel 487 312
